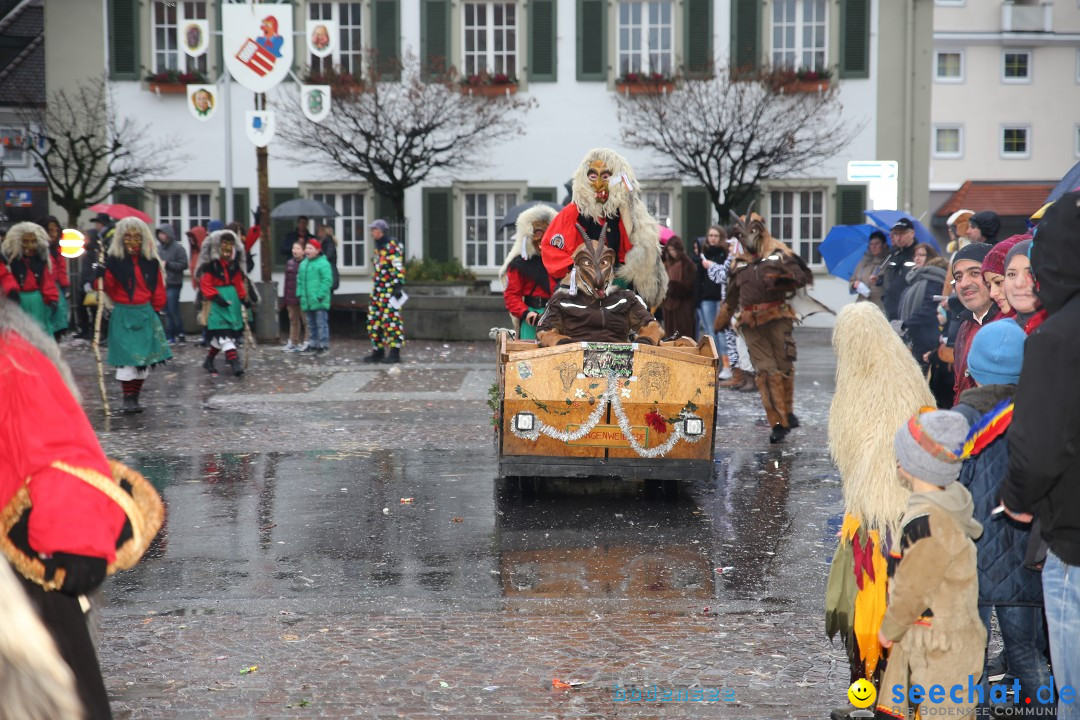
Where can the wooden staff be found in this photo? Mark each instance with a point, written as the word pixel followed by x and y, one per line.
pixel 97 331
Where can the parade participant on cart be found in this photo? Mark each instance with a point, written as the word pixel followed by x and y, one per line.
pixel 62 525
pixel 589 307
pixel 384 319
pixel 878 386
pixel 606 208
pixel 758 291
pixel 527 285
pixel 59 316
pixel 136 286
pixel 26 251
pixel 221 283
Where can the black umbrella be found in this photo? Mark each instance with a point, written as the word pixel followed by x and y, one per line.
pixel 1067 184
pixel 513 213
pixel 303 207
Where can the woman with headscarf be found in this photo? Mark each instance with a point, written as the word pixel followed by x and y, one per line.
pixel 527 286
pixel 679 302
pixel 865 280
pixel 993 270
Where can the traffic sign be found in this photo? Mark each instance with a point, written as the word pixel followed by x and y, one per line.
pixel 867 170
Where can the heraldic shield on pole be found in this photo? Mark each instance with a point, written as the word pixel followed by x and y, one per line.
pixel 257 43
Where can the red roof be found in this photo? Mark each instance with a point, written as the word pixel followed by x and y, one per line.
pixel 1004 198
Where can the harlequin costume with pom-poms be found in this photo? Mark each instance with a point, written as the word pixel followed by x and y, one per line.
pixel 879 386
pixel 221 279
pixel 384 324
pixel 606 207
pixel 26 251
pixel 135 285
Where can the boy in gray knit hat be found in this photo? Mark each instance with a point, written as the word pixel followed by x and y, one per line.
pixel 932 622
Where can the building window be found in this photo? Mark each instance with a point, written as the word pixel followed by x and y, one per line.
pixel 798 218
pixel 1016 142
pixel 800 34
pixel 183 211
pixel 13 142
pixel 485 245
pixel 348 53
pixel 948 141
pixel 949 66
pixel 491 35
pixel 1016 66
pixel 645 38
pixel 658 203
pixel 168 17
pixel 350 229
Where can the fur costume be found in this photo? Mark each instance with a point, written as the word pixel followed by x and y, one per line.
pixel 12 246
pixel 210 251
pixel 522 273
pixel 588 307
pixel 635 230
pixel 224 289
pixel 878 387
pixel 33 275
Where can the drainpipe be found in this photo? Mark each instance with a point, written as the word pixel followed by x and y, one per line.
pixel 909 109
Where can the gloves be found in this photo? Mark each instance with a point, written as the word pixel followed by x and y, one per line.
pixel 257 212
pixel 99 270
pixel 82 573
pixel 221 301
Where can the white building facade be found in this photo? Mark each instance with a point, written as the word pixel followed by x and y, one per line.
pixel 567 54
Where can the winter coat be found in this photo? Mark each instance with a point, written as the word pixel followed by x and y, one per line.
pixel 292 267
pixel 918 309
pixel 608 319
pixel 526 279
pixel 704 288
pixel 1003 578
pixel 867 267
pixel 900 262
pixel 330 252
pixel 968 328
pixel 678 306
pixel 313 282
pixel 173 257
pixel 1044 471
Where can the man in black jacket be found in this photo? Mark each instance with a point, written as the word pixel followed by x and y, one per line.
pixel 1044 470
pixel 901 261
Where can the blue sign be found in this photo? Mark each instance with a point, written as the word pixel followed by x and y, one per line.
pixel 18 198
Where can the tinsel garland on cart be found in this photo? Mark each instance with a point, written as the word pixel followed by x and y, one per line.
pixel 611 396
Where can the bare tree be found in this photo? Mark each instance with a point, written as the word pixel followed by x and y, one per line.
pixel 396 134
pixel 87 148
pixel 735 129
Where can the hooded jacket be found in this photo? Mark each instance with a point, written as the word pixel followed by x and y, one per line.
pixel 918 309
pixel 173 257
pixel 900 262
pixel 1044 471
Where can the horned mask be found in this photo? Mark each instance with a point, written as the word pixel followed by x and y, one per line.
pixel 594 268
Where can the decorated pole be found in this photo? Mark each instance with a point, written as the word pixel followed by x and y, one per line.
pixel 97 330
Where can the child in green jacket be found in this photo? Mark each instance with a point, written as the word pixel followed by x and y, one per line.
pixel 313 283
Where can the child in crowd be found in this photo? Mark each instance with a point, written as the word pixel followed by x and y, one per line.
pixel 313 282
pixel 298 329
pixel 932 622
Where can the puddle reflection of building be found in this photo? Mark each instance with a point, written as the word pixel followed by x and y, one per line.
pixel 589 546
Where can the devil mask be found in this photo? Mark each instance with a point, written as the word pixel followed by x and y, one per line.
pixel 594 267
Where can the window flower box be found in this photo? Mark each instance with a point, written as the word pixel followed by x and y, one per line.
pixel 803 81
pixel 485 85
pixel 173 82
pixel 644 84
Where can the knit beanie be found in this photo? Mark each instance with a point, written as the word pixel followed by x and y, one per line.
pixel 929 445
pixel 1021 248
pixel 997 354
pixel 315 244
pixel 994 262
pixel 988 222
pixel 974 251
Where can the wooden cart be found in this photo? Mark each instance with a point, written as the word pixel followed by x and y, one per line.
pixel 630 411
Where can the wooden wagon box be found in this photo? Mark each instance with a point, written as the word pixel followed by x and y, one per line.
pixel 631 411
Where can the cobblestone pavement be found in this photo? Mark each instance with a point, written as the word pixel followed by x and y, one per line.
pixel 287 549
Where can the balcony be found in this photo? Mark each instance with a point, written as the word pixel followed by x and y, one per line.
pixel 1027 18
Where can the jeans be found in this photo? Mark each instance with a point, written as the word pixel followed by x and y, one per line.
pixel 318 328
pixel 174 326
pixel 706 314
pixel 1061 593
pixel 1025 646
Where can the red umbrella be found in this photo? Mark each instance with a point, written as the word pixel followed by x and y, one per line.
pixel 119 211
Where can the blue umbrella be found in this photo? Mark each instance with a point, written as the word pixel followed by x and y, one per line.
pixel 844 247
pixel 1067 184
pixel 885 219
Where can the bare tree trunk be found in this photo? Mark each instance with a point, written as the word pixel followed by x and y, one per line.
pixel 267 242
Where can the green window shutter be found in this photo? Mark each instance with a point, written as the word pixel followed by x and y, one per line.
pixel 542 41
pixel 438 223
pixel 386 36
pixel 435 58
pixel 280 228
pixel 854 39
pixel 240 208
pixel 850 204
pixel 124 39
pixel 384 208
pixel 696 214
pixel 746 34
pixel 592 40
pixel 128 196
pixel 698 49
pixel 547 194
